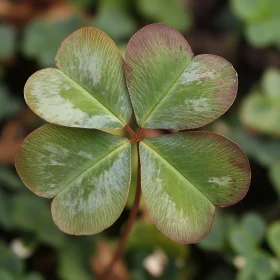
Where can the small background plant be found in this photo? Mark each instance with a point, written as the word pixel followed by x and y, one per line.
pixel 38 250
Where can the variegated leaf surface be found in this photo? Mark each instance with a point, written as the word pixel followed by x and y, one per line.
pixel 88 89
pixel 87 172
pixel 186 175
pixel 170 88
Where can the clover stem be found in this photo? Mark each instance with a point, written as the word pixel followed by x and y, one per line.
pixel 130 131
pixel 138 135
pixel 128 226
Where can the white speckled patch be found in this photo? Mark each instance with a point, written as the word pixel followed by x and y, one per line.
pixel 85 155
pixel 59 109
pixel 191 75
pixel 198 105
pixel 221 181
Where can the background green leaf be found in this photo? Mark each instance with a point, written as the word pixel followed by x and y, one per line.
pixel 8 41
pixel 252 10
pixel 154 239
pixel 261 34
pixel 10 261
pixel 271 84
pixel 218 237
pixel 255 226
pixel 114 19
pixel 43 37
pixel 274 175
pixel 261 18
pixel 273 235
pixel 173 13
pixel 5 275
pixel 261 107
pixel 9 105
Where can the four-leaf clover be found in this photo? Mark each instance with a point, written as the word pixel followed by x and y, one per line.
pixel 87 172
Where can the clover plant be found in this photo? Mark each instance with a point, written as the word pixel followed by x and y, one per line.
pixel 241 239
pixel 183 176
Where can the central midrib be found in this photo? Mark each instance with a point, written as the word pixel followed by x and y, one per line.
pixel 90 167
pixel 84 90
pixel 177 171
pixel 163 96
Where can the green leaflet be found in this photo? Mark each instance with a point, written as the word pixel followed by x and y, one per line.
pixel 88 173
pixel 171 89
pixel 184 176
pixel 88 90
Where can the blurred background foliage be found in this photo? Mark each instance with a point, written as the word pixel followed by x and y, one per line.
pixel 244 243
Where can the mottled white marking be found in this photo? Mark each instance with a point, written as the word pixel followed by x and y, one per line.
pixel 169 204
pixel 50 104
pixel 166 207
pixel 104 183
pixel 57 150
pixel 173 203
pixel 54 162
pixel 196 74
pixel 198 105
pixel 52 193
pixel 91 67
pixel 85 155
pixel 158 180
pixel 95 191
pixel 221 181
